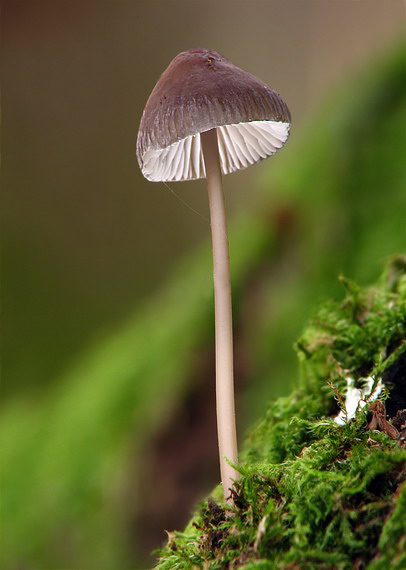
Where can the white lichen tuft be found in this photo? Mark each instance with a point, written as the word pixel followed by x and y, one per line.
pixel 357 398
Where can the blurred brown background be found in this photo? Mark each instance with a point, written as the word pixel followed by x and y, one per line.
pixel 85 237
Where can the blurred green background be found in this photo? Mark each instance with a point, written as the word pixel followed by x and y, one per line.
pixel 107 426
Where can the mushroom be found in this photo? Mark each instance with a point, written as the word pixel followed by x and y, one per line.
pixel 207 117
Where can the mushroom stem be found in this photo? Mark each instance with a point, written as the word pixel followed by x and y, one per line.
pixel 226 429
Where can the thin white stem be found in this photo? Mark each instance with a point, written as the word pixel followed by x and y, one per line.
pixel 226 429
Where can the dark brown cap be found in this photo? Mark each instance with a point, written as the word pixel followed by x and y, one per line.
pixel 199 91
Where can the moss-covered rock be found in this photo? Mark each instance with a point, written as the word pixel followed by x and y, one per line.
pixel 313 493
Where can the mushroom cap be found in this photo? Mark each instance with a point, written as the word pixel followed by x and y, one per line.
pixel 201 90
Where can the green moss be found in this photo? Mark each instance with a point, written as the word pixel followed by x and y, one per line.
pixel 315 494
